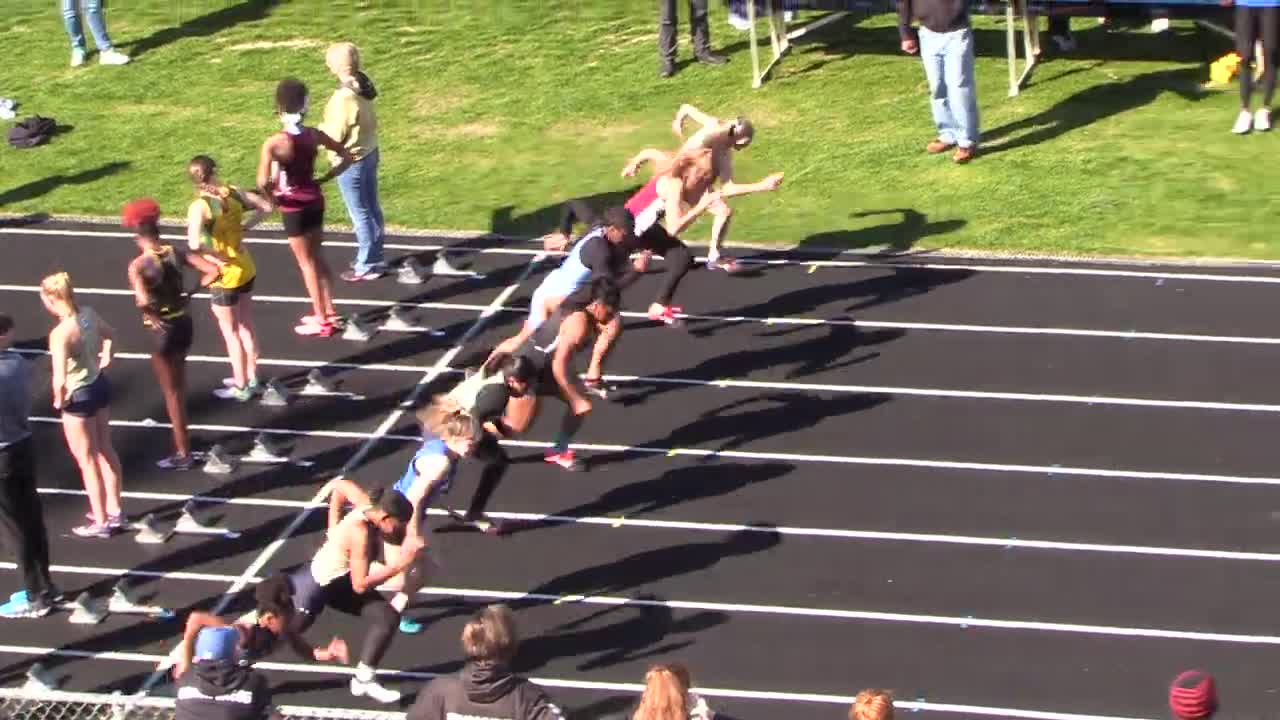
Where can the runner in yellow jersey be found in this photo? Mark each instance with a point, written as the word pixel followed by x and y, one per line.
pixel 215 229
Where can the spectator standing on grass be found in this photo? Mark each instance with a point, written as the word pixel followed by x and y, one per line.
pixel 485 687
pixel 1193 695
pixel 22 530
pixel 349 118
pixel 107 54
pixel 872 704
pixel 945 42
pixel 219 687
pixel 699 29
pixel 1256 20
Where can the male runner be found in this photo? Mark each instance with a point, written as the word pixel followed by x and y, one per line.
pixel 550 350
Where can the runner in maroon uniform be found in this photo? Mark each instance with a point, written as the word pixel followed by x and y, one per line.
pixel 286 169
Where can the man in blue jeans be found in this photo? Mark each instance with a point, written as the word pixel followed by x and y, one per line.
pixel 945 45
pixel 107 54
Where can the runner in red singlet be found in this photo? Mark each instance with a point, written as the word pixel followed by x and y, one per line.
pixel 286 170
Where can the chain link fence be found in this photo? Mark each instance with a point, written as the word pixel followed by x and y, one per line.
pixel 29 704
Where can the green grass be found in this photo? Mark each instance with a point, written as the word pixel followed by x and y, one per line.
pixel 493 111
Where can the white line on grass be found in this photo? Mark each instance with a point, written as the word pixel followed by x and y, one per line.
pixel 392 418
pixel 328 669
pixel 746 455
pixel 619 521
pixel 791 386
pixel 795 321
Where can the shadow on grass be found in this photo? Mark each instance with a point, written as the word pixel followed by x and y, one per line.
pixel 1091 105
pixel 204 25
pixel 37 188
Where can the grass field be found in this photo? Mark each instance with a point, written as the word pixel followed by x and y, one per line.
pixel 493 111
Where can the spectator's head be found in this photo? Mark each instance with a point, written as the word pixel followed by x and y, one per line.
pixel 457 429
pixel 694 169
pixel 605 297
pixel 490 636
pixel 666 693
pixel 619 225
pixel 741 132
pixel 291 97
pixel 217 644
pixel 872 704
pixel 6 331
pixel 58 295
pixel 203 171
pixel 343 60
pixel 1193 696
pixel 518 372
pixel 274 598
pixel 390 513
pixel 142 216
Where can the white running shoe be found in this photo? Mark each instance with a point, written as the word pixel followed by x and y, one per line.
pixel 77 57
pixel 1244 123
pixel 112 57
pixel 374 691
pixel 1262 120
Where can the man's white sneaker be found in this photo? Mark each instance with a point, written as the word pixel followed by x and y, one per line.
pixel 1262 119
pixel 112 57
pixel 1244 123
pixel 77 57
pixel 374 691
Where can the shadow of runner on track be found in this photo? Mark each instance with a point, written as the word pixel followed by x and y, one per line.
pixel 898 239
pixel 671 488
pixel 202 25
pixel 537 223
pixel 37 188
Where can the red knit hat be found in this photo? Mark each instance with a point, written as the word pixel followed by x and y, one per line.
pixel 1193 695
pixel 137 212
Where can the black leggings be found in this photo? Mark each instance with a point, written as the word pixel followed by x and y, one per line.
pixel 311 599
pixel 495 460
pixel 1253 23
pixel 675 254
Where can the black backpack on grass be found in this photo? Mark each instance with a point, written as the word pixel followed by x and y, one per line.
pixel 32 131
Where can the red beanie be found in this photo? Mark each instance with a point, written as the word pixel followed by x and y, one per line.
pixel 137 212
pixel 1193 696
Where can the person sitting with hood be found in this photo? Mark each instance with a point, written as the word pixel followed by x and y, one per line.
pixel 219 687
pixel 485 687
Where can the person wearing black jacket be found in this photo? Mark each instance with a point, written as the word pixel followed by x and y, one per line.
pixel 485 687
pixel 945 42
pixel 219 687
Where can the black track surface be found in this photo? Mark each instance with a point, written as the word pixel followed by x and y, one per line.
pixel 764 609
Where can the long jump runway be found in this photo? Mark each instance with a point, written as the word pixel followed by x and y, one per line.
pixel 999 489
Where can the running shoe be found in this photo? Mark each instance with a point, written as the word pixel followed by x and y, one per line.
pixel 26 608
pixel 564 459
pixel 1244 123
pixel 112 57
pixel 177 462
pixel 241 394
pixel 374 691
pixel 352 276
pixel 312 328
pixel 480 521
pixel 1262 120
pixel 77 57
pixel 255 385
pixel 410 627
pixel 726 264
pixel 667 315
pixel 93 530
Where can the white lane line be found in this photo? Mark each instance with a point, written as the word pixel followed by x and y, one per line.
pixel 484 594
pixel 392 418
pixel 791 386
pixel 618 521
pixel 329 669
pixel 746 455
pixel 799 321
pixel 795 259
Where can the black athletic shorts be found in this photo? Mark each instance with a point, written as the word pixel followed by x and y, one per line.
pixel 228 297
pixel 174 337
pixel 87 400
pixel 301 222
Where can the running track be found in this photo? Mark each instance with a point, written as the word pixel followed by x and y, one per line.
pixel 1010 489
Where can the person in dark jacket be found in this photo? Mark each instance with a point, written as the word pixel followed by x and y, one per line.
pixel 220 687
pixel 485 687
pixel 945 42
